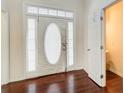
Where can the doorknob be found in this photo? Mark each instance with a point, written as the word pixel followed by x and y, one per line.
pixel 64 46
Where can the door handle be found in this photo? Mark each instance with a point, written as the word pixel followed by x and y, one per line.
pixel 64 46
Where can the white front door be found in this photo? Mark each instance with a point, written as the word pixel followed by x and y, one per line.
pixel 95 62
pixel 49 46
pixel 51 35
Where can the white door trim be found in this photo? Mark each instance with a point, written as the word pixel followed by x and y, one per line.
pixel 36 17
pixel 103 40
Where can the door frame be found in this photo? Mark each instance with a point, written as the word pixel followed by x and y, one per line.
pixel 103 39
pixel 25 16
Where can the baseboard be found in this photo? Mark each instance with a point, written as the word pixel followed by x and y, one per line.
pixel 24 79
pixel 2 84
pixel 17 79
pixel 116 72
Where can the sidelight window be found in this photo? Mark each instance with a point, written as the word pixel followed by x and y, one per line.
pixel 70 44
pixel 31 46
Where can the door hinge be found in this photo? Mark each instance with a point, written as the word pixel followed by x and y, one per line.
pixel 101 76
pixel 101 47
pixel 101 18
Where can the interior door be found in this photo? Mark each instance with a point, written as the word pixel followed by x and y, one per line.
pixel 95 62
pixel 45 66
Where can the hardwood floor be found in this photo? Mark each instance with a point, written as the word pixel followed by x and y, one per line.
pixel 71 82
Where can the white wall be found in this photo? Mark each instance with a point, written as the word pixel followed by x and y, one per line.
pixel 15 9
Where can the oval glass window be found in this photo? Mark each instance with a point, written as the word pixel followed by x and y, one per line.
pixel 52 43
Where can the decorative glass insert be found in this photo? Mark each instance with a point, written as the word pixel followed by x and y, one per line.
pixel 52 43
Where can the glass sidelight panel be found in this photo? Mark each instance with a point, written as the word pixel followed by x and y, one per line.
pixel 70 54
pixel 31 46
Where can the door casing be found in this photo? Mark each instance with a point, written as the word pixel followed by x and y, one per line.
pixel 103 38
pixel 25 16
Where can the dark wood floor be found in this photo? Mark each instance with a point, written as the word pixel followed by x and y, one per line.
pixel 71 82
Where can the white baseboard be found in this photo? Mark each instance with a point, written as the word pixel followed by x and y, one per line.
pixel 116 72
pixel 17 79
pixel 4 83
pixel 24 78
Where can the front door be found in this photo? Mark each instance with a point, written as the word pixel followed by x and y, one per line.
pixel 52 47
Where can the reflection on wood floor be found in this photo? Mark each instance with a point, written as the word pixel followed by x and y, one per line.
pixel 71 82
